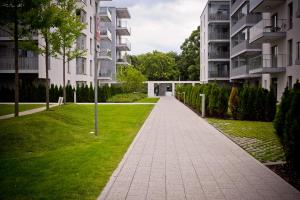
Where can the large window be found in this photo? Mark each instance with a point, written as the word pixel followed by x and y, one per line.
pixel 80 66
pixel 298 51
pixel 290 15
pixel 81 42
pixel 290 52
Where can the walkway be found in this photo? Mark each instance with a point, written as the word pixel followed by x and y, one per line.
pixel 27 112
pixel 178 155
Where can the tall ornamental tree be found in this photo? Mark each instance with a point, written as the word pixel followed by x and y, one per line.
pixel 13 24
pixel 44 20
pixel 65 36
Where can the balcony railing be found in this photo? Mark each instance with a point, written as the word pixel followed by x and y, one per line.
pixel 267 61
pixel 25 63
pixel 267 26
pixel 105 34
pixel 248 19
pixel 243 46
pixel 218 74
pixel 242 70
pixel 105 54
pixel 123 44
pixel 218 17
pixel 218 35
pixel 218 55
pixel 105 74
pixel 123 27
pixel 236 5
pixel 105 14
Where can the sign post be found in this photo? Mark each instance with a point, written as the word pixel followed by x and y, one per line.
pixel 203 104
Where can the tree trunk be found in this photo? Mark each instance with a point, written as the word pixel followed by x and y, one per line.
pixel 47 72
pixel 64 75
pixel 16 40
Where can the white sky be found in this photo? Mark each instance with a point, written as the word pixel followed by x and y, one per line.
pixel 160 24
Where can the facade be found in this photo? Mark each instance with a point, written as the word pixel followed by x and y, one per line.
pixel 278 33
pixel 114 41
pixel 78 71
pixel 215 42
pixel 241 51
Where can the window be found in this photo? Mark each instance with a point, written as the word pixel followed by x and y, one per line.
pixel 80 65
pixel 91 68
pixel 274 56
pixel 298 50
pixel 81 42
pixel 91 46
pixel 290 15
pixel 91 2
pixel 82 15
pixel 91 25
pixel 290 82
pixel 290 52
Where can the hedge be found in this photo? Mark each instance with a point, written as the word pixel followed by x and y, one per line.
pixel 127 98
pixel 287 125
pixel 36 93
pixel 246 103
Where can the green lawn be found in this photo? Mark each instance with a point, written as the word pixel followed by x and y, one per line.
pixel 257 138
pixel 53 155
pixel 6 109
pixel 148 100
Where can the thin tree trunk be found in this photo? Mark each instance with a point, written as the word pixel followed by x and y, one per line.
pixel 16 39
pixel 47 72
pixel 64 75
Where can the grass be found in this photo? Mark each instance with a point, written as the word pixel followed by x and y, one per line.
pixel 6 109
pixel 257 138
pixel 53 155
pixel 148 100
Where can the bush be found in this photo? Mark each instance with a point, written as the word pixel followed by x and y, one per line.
pixel 127 98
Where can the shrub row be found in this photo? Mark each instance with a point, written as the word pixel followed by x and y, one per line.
pixel 287 125
pixel 246 103
pixel 127 98
pixel 36 93
pixel 216 98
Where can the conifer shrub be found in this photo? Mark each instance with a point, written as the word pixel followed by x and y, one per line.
pixel 234 102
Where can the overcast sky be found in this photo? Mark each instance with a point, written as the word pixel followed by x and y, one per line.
pixel 160 24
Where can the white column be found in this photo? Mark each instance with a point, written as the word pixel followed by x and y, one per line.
pixel 150 89
pixel 173 89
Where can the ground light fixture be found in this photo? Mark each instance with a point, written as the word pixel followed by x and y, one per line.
pixel 97 63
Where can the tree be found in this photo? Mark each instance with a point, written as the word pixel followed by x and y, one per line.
pixel 66 34
pixel 189 62
pixel 157 66
pixel 12 22
pixel 234 102
pixel 132 79
pixel 43 19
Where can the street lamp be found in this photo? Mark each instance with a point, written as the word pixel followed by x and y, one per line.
pixel 96 62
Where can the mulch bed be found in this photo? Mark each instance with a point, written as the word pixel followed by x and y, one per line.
pixel 287 173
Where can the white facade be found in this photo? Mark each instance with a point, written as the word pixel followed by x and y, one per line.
pixel 79 70
pixel 215 41
pixel 278 32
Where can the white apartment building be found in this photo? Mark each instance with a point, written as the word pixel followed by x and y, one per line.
pixel 215 41
pixel 78 71
pixel 279 34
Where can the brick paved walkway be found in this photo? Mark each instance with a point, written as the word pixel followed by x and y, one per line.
pixel 178 155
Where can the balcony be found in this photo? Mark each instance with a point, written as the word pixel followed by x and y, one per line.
pixel 265 31
pixel 105 76
pixel 218 74
pixel 122 60
pixel 105 15
pixel 236 5
pixel 26 64
pixel 244 47
pixel 123 13
pixel 264 5
pixel 218 55
pixel 267 64
pixel 123 28
pixel 105 35
pixel 123 45
pixel 218 36
pixel 247 20
pixel 105 55
pixel 218 17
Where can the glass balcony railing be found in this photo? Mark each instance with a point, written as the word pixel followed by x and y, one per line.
pixel 218 55
pixel 105 34
pixel 25 63
pixel 218 35
pixel 218 74
pixel 267 61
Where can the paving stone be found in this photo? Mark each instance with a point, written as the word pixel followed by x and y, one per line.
pixel 178 155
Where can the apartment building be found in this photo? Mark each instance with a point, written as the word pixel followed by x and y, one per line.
pixel 215 42
pixel 80 70
pixel 278 33
pixel 115 32
pixel 241 51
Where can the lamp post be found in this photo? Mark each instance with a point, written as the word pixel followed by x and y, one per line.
pixel 96 62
